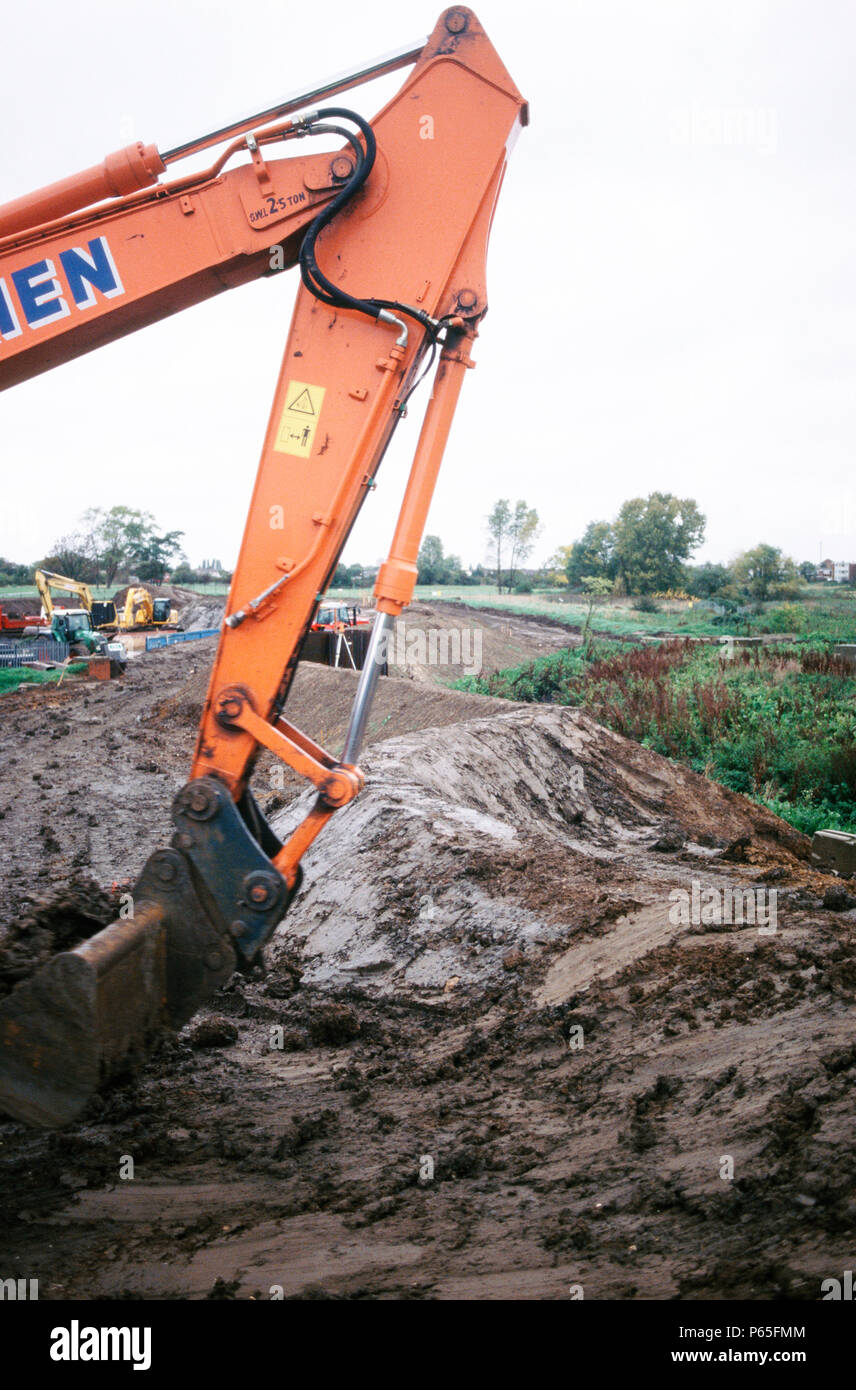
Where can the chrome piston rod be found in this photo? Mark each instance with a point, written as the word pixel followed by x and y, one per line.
pixel 380 67
pixel 366 688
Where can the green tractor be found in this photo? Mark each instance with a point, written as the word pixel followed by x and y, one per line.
pixel 74 626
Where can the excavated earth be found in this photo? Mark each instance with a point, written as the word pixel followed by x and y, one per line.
pixel 488 1058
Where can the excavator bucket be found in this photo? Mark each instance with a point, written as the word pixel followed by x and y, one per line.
pixel 92 1014
pixel 86 1015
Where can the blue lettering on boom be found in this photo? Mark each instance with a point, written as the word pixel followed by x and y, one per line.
pixel 43 298
pixel 89 271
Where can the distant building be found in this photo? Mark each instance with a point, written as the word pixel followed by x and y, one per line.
pixel 836 571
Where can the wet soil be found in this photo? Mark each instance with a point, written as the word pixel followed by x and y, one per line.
pixel 487 1058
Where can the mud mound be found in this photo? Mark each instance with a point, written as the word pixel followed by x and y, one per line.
pixel 481 840
pixel 197 613
pixel 21 607
pixel 321 698
pixel 90 771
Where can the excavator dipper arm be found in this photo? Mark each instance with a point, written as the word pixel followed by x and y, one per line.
pixel 391 237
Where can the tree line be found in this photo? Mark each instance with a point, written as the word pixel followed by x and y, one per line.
pixel 111 546
pixel 645 550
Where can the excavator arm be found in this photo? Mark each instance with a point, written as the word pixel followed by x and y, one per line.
pixel 390 234
pixel 46 581
pixel 101 613
pixel 44 588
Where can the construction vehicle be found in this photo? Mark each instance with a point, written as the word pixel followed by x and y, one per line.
pixel 139 610
pixel 390 233
pixel 142 611
pixel 13 626
pixel 331 617
pixel 339 636
pixel 75 626
pixel 101 612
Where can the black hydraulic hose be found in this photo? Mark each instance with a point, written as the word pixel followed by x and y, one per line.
pixel 313 277
pixel 353 183
pixel 311 273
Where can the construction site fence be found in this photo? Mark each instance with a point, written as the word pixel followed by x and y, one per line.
pixel 43 649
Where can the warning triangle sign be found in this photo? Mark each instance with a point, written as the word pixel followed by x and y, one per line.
pixel 303 403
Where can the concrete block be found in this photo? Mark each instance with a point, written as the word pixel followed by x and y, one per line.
pixel 834 849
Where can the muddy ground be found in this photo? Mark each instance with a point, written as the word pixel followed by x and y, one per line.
pixel 484 1062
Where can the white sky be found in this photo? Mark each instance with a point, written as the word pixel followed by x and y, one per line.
pixel 671 272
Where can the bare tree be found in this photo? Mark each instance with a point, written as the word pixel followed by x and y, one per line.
pixel 523 527
pixel 498 532
pixel 73 556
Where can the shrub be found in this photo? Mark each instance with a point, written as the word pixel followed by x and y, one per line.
pixel 786 617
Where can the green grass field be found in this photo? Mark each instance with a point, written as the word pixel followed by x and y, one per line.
pixel 823 612
pixel 12 677
pixel 99 591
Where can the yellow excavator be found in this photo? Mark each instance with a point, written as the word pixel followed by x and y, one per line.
pixel 140 610
pixel 102 612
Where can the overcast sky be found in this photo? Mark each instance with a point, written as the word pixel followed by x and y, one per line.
pixel 686 324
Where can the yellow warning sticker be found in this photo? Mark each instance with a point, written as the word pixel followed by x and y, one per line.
pixel 300 417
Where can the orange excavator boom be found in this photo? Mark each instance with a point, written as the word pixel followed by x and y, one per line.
pixel 390 234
